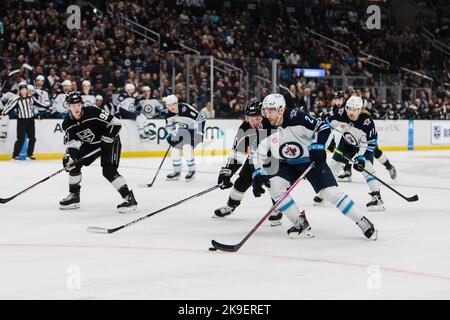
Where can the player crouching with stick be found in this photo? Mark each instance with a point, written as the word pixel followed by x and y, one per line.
pixel 87 129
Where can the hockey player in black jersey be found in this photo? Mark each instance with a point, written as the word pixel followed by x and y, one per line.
pixel 248 136
pixel 185 127
pixel 87 129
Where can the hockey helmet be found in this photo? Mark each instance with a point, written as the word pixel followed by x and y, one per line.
pixel 273 100
pixel 74 97
pixel 253 109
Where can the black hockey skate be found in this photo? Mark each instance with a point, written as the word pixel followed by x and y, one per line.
pixel 345 176
pixel 173 176
pixel 224 211
pixel 392 171
pixel 368 229
pixel 377 203
pixel 300 229
pixel 275 218
pixel 190 176
pixel 72 201
pixel 129 205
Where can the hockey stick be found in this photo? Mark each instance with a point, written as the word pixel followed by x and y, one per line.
pixel 149 185
pixel 7 79
pixel 5 200
pixel 236 247
pixel 106 230
pixel 409 199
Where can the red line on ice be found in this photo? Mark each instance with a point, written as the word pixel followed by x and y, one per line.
pixel 349 264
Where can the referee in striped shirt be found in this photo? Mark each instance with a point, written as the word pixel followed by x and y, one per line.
pixel 25 120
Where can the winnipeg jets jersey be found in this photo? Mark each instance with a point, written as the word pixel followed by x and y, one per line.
pixel 88 99
pixel 289 143
pixel 360 133
pixel 126 105
pixel 42 96
pixel 150 108
pixel 59 102
pixel 187 118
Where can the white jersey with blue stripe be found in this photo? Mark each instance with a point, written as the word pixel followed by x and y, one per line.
pixel 290 142
pixel 186 118
pixel 126 105
pixel 360 133
pixel 150 108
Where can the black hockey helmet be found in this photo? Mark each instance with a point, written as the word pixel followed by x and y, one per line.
pixel 253 109
pixel 22 85
pixel 74 97
pixel 339 94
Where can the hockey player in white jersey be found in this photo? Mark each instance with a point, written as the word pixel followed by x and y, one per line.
pixel 59 102
pixel 127 103
pixel 87 94
pixel 185 127
pixel 359 140
pixel 298 141
pixel 148 108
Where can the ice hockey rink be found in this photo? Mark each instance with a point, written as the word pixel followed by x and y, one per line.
pixel 46 253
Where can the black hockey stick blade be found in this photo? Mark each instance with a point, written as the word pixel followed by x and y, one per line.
pixel 413 198
pixel 106 230
pixel 5 200
pixel 226 247
pixel 102 230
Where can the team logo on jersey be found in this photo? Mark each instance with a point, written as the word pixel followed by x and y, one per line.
pixel 350 138
pixel 180 125
pixel 341 111
pixel 86 135
pixel 366 122
pixel 291 150
pixel 293 113
pixel 148 108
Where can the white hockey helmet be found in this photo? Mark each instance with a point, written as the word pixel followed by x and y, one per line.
pixel 273 100
pixel 40 77
pixel 146 88
pixel 171 99
pixel 86 83
pixel 99 97
pixel 130 87
pixel 30 88
pixel 354 102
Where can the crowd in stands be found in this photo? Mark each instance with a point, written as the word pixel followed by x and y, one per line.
pixel 110 56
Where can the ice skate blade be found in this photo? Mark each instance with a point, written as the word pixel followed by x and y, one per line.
pixel 128 209
pixel 302 235
pixel 173 179
pixel 70 206
pixel 374 209
pixel 344 179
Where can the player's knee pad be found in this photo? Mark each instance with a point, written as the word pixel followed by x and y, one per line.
pixel 110 173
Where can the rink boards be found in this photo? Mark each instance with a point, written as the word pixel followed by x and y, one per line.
pixel 393 135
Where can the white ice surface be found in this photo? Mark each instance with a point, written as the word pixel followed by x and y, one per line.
pixel 166 256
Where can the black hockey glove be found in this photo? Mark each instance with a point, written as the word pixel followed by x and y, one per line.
pixel 317 153
pixel 359 163
pixel 173 139
pixel 67 162
pixel 260 179
pixel 224 180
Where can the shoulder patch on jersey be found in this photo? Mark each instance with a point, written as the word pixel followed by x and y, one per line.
pixel 183 109
pixel 293 114
pixel 366 122
pixel 341 111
